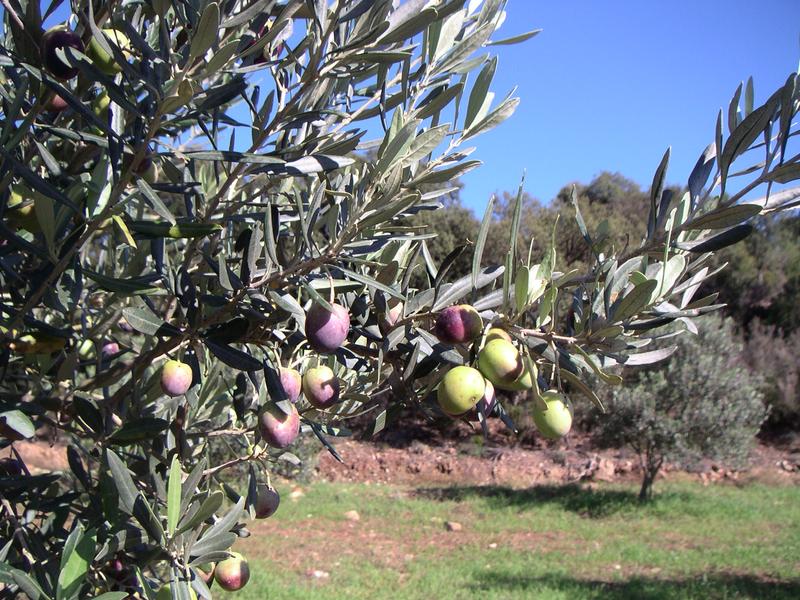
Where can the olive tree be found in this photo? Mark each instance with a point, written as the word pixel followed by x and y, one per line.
pixel 704 403
pixel 206 249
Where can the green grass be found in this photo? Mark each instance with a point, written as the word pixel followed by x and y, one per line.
pixel 545 542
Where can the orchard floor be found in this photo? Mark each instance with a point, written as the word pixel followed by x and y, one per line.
pixel 723 540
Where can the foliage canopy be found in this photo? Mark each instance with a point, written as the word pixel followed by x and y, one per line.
pixel 185 180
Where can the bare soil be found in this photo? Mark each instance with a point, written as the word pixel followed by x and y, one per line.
pixel 465 457
pixel 519 467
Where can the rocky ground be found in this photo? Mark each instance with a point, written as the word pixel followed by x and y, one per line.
pixel 523 467
pixel 473 460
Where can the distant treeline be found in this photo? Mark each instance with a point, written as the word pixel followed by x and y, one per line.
pixel 760 285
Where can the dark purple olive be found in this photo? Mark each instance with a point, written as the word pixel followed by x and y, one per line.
pixel 56 39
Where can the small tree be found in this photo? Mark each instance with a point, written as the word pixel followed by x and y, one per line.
pixel 193 216
pixel 704 402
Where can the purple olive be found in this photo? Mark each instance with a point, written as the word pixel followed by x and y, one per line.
pixel 232 573
pixel 267 501
pixel 277 428
pixel 326 331
pixel 176 378
pixel 291 382
pixel 56 104
pixel 55 39
pixel 458 324
pixel 110 349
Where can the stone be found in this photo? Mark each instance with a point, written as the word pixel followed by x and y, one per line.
pixel 605 470
pixel 318 574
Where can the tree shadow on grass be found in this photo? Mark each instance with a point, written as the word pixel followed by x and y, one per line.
pixel 592 503
pixel 712 586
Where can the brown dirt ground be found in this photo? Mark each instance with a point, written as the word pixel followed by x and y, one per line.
pixel 466 458
pixel 473 461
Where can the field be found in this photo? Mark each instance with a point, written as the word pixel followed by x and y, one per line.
pixel 548 542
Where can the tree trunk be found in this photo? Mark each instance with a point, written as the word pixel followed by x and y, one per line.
pixel 646 491
pixel 650 472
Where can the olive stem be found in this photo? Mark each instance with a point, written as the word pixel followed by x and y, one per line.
pixel 13 14
pixel 412 318
pixel 233 462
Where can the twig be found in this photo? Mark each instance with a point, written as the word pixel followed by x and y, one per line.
pixel 219 433
pixel 13 14
pixel 233 462
pixel 546 335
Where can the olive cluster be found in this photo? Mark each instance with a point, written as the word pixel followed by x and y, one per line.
pixel 326 330
pixel 465 391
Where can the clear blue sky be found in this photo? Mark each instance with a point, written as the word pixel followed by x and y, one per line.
pixel 609 85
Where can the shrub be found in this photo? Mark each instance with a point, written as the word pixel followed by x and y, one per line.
pixel 705 402
pixel 774 355
pixel 210 181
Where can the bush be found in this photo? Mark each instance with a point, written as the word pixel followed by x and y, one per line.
pixel 177 199
pixel 774 355
pixel 705 402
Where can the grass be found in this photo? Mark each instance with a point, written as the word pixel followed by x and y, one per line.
pixel 545 542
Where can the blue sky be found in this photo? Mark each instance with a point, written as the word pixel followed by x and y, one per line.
pixel 609 85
